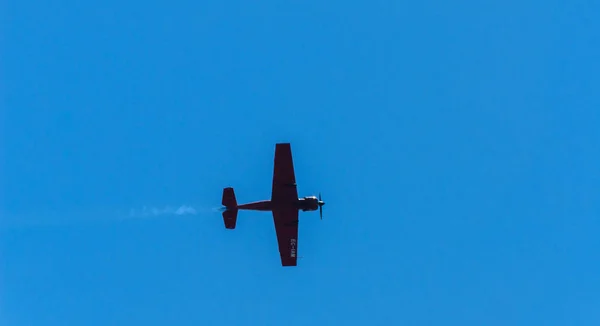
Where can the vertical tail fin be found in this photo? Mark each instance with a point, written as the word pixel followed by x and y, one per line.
pixel 231 211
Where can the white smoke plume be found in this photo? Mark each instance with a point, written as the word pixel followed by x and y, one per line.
pixel 11 220
pixel 153 211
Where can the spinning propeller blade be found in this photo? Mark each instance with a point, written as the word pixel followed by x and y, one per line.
pixel 321 203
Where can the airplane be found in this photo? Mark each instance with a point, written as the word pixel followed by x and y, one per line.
pixel 284 205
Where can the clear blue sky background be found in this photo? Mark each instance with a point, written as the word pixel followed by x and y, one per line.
pixel 456 146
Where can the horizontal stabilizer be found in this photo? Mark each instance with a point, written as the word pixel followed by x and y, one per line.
pixel 230 218
pixel 231 211
pixel 229 200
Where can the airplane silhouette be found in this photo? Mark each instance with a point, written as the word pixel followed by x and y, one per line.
pixel 284 204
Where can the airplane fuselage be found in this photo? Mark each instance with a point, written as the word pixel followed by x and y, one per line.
pixel 309 203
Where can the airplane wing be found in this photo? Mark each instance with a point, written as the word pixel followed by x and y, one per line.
pixel 284 179
pixel 286 227
pixel 283 196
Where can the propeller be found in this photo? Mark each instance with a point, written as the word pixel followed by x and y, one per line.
pixel 321 203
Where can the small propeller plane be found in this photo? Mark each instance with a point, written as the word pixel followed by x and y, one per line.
pixel 284 204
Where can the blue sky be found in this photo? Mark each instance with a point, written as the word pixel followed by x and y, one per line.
pixel 456 146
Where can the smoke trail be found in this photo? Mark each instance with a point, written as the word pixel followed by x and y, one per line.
pixel 66 217
pixel 153 211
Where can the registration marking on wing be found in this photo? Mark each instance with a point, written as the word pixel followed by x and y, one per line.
pixel 293 245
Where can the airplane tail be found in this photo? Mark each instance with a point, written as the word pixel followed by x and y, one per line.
pixel 230 218
pixel 229 200
pixel 231 210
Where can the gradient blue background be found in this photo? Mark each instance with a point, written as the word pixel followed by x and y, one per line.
pixel 456 146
